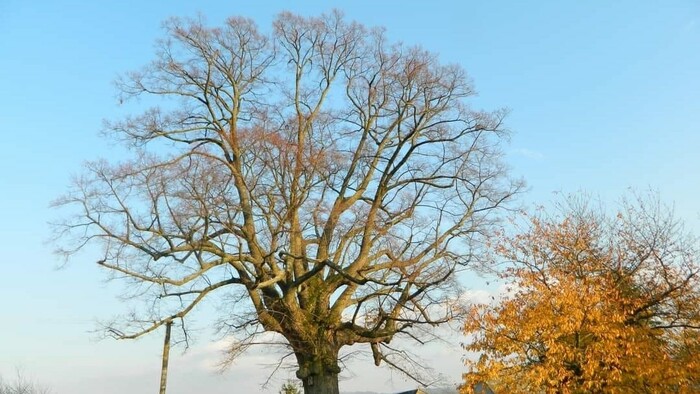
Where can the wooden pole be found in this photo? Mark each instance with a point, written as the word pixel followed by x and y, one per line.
pixel 166 356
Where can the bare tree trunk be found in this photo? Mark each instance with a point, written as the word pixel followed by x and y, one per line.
pixel 319 373
pixel 166 356
pixel 322 384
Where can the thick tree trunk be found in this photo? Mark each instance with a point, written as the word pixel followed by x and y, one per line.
pixel 321 384
pixel 319 373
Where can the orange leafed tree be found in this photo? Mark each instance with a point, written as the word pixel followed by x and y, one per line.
pixel 595 304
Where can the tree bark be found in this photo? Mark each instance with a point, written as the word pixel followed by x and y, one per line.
pixel 319 373
pixel 321 384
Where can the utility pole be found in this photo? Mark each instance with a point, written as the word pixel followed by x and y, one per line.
pixel 166 356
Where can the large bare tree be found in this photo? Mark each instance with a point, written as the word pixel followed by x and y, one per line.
pixel 333 181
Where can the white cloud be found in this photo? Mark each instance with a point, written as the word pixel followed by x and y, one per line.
pixel 529 153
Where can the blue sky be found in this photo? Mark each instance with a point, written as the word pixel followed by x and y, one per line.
pixel 604 96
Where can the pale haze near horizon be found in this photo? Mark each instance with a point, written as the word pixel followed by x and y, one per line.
pixel 604 97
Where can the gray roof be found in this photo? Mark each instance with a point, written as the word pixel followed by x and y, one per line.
pixel 482 388
pixel 416 391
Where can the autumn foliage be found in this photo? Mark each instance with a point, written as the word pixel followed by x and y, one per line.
pixel 595 304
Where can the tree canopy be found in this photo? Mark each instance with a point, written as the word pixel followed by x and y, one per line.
pixel 595 304
pixel 328 181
